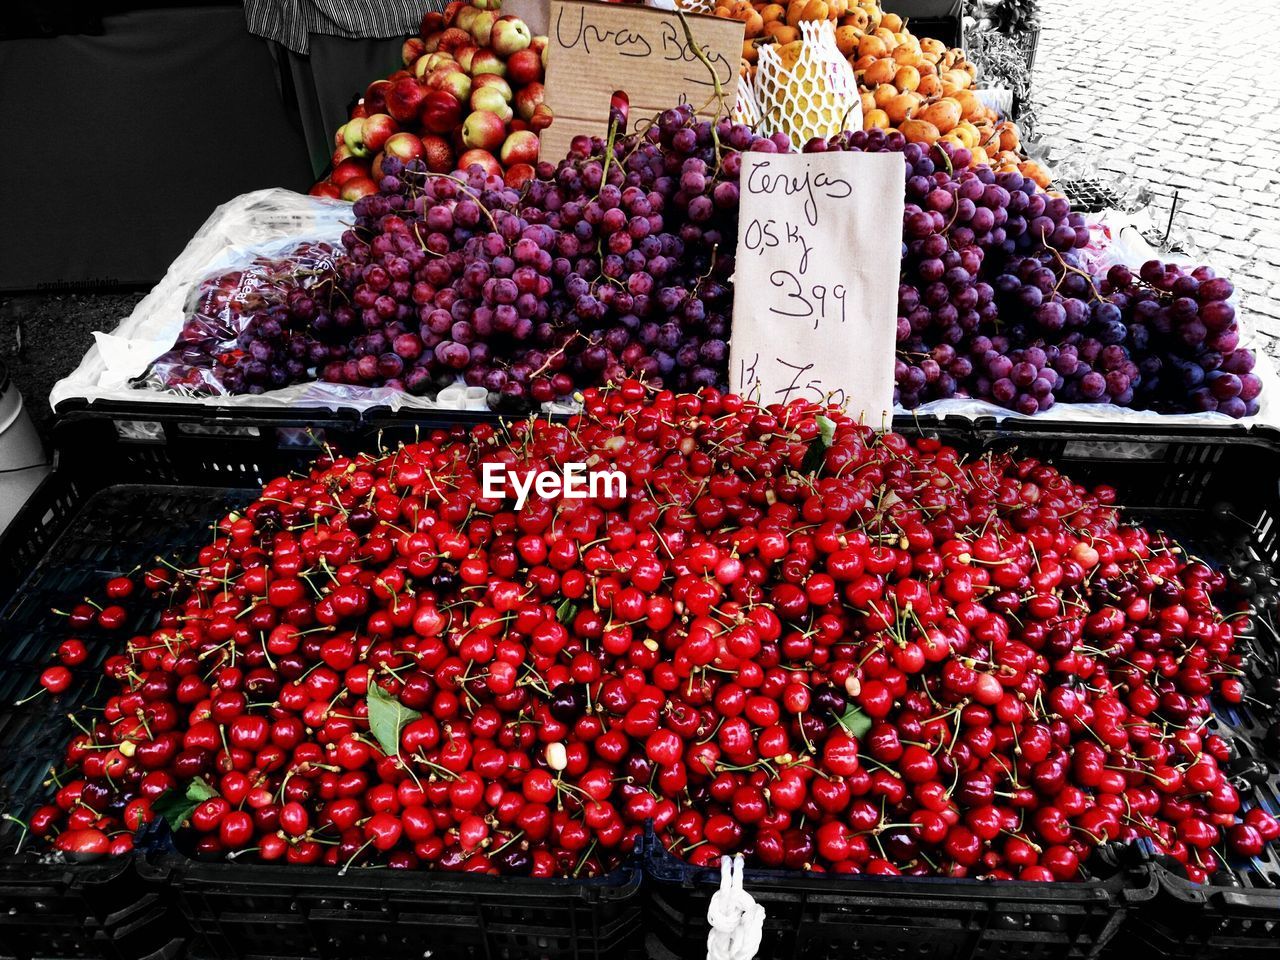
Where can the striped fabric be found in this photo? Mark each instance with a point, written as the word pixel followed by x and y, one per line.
pixel 291 22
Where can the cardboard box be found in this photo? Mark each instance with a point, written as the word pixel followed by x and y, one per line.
pixel 599 48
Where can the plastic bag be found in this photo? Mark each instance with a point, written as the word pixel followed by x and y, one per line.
pixel 214 352
pixel 805 88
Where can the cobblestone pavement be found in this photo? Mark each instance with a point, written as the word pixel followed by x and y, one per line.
pixel 1169 91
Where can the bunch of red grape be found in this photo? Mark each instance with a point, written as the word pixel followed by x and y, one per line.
pixel 825 648
pixel 614 262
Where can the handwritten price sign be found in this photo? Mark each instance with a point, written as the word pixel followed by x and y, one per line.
pixel 816 287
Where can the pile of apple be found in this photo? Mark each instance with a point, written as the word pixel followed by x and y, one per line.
pixel 470 93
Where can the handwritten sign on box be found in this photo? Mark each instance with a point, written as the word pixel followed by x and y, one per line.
pixel 596 49
pixel 815 301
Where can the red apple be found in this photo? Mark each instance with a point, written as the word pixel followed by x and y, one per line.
pixel 441 112
pixel 404 100
pixel 377 128
pixel 481 28
pixel 486 80
pixel 524 67
pixel 375 96
pixel 528 99
pixel 539 43
pixel 465 56
pixel 491 100
pixel 375 169
pixel 343 152
pixel 542 117
pixel 520 147
pixel 399 75
pixel 348 169
pixel 510 35
pixel 518 174
pixel 412 49
pixel 487 4
pixel 437 153
pixel 483 130
pixel 482 157
pixel 406 146
pixel 452 80
pixel 325 188
pixel 358 187
pixel 486 61
pixel 360 110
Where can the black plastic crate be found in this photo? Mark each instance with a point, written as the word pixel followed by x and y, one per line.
pixel 65 543
pixel 255 911
pixel 125 491
pixel 104 910
pixel 121 495
pixel 825 917
pixel 1238 911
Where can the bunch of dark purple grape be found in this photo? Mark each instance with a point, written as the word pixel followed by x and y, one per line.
pixel 1184 334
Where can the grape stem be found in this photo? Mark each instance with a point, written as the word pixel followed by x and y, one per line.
pixel 467 187
pixel 561 349
pixel 715 80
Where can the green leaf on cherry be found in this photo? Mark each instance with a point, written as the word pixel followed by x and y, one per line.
pixel 387 717
pixel 816 453
pixel 176 808
pixel 566 612
pixel 855 722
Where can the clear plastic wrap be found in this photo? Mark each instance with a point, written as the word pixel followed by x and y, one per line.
pixel 212 349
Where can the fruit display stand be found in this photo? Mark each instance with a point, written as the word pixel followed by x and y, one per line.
pixel 140 477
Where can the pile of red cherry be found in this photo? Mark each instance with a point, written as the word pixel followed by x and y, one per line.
pixel 827 648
